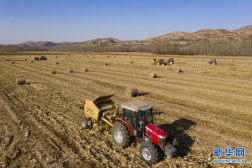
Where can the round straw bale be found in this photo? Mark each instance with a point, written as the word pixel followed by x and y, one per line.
pixel 131 92
pixel 180 70
pixel 20 81
pixel 70 70
pixel 31 61
pixel 56 62
pixel 153 75
pixel 106 63
pixel 25 59
pixel 85 69
pixel 12 62
pixel 53 71
pixel 131 62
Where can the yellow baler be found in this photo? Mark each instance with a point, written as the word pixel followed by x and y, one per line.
pixel 98 110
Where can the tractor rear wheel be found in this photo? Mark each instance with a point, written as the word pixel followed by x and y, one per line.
pixel 120 134
pixel 149 153
pixel 84 123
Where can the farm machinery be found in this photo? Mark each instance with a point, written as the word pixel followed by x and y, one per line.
pixel 134 120
pixel 170 61
pixel 162 62
pixel 154 62
pixel 212 62
pixel 39 58
pixel 158 62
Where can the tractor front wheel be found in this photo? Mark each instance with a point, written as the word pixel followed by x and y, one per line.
pixel 120 134
pixel 149 153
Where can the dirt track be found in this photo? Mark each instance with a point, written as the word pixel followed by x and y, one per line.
pixel 203 107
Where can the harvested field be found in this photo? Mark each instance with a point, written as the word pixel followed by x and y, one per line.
pixel 204 107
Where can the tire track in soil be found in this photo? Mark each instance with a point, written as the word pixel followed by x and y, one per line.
pixel 157 83
pixel 160 103
pixel 211 80
pixel 194 89
pixel 201 121
pixel 45 134
pixel 183 105
pixel 120 158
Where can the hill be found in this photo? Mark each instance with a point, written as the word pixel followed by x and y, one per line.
pixel 205 34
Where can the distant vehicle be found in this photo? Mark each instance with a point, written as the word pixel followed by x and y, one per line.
pixel 161 62
pixel 212 62
pixel 42 58
pixel 170 61
pixel 153 62
pixel 157 62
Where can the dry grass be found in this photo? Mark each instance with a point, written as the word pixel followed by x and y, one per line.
pixel 179 62
pixel 214 100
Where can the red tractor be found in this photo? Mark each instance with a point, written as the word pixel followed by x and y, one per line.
pixel 212 62
pixel 161 62
pixel 137 121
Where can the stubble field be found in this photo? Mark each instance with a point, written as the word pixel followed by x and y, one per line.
pixel 205 106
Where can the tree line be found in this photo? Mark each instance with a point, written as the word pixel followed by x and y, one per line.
pixel 230 48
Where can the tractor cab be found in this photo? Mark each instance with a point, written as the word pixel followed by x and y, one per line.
pixel 137 114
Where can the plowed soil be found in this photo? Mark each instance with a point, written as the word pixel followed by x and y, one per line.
pixel 203 107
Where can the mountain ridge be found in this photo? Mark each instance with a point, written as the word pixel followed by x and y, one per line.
pixel 204 34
